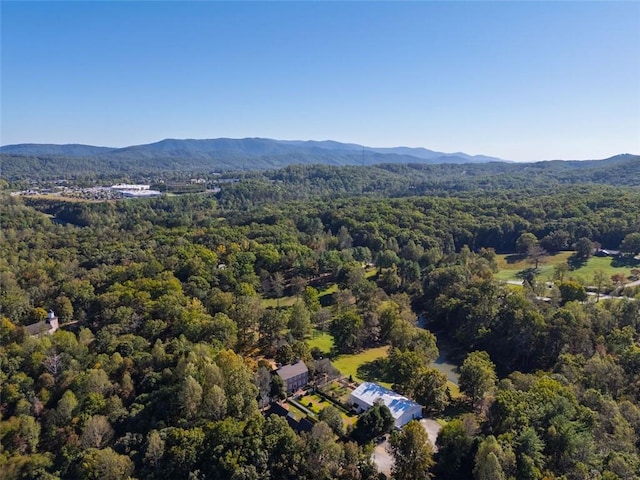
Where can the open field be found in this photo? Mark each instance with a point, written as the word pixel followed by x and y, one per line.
pixel 511 265
pixel 349 364
pixel 322 340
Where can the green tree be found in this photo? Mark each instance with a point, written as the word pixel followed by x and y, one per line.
pixel 570 290
pixel 477 376
pixel 190 397
pixel 412 453
pixel 530 454
pixel 66 406
pixel 526 241
pixel 492 461
pixel 431 391
pixel 311 299
pixel 631 243
pixel 105 465
pixel 300 321
pixel 374 422
pixel 455 443
pixel 346 329
pixel 332 417
pixel 271 326
pixel 584 248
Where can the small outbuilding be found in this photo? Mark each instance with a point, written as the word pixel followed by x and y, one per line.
pixel 295 376
pixel 402 409
pixel 46 327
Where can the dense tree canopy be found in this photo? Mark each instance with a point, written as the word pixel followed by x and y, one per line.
pixel 173 308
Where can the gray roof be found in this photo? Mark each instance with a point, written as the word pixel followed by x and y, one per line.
pixel 37 328
pixel 290 371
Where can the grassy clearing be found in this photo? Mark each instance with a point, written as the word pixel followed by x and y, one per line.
pixel 454 390
pixel 279 302
pixel 330 290
pixel 511 266
pixel 349 364
pixel 322 340
pixel 608 265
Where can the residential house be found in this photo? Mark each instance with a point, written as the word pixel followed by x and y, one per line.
pixel 295 376
pixel 46 327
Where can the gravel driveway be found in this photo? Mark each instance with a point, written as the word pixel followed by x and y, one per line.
pixel 383 458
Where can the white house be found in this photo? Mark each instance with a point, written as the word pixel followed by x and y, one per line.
pixel 402 409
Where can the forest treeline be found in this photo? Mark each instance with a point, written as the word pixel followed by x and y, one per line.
pixel 160 372
pixel 323 176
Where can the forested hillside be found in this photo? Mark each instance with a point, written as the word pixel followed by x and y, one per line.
pixel 174 310
pixel 47 162
pixel 218 154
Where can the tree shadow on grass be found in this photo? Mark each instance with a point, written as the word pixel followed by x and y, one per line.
pixel 375 370
pixel 625 261
pixel 527 273
pixel 576 262
pixel 457 407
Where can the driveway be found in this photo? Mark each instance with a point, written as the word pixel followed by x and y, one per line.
pixel 382 457
pixel 433 429
pixel 382 453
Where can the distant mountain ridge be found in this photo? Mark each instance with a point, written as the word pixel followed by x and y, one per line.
pixel 265 152
pixel 49 161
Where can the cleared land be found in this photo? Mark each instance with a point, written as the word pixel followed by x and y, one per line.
pixel 322 340
pixel 511 267
pixel 349 364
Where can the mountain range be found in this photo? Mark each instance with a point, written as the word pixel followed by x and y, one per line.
pixel 41 161
pixel 246 153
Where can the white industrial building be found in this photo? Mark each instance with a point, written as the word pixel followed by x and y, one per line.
pixel 135 190
pixel 402 409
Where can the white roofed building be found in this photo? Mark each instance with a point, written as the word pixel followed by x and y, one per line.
pixel 402 409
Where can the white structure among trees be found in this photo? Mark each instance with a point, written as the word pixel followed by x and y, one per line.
pixel 402 409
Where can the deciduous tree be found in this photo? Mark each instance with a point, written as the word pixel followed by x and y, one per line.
pixel 412 453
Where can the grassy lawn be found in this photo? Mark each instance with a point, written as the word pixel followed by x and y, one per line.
pixel 454 390
pixel 322 340
pixel 510 267
pixel 279 302
pixel 330 290
pixel 314 403
pixel 608 265
pixel 296 412
pixel 349 364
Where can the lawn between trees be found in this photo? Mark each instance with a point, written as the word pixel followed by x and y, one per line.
pixel 513 266
pixel 361 364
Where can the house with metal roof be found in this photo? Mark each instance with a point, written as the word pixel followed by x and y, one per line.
pixel 403 410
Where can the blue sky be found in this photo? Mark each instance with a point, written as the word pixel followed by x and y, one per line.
pixel 517 80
